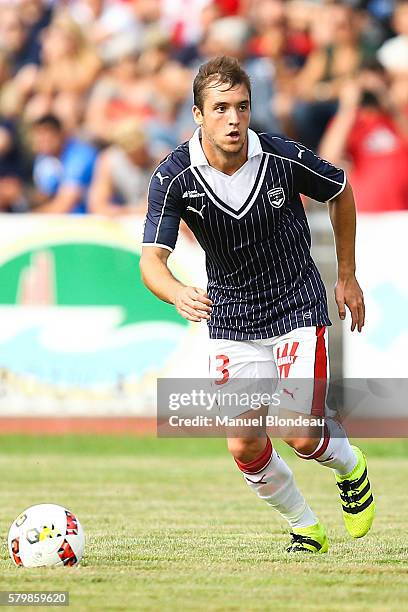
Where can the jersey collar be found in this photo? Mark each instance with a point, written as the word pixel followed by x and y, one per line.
pixel 197 157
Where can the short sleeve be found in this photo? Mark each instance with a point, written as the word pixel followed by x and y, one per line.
pixel 316 177
pixel 163 213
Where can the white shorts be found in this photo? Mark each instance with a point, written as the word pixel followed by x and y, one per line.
pixel 278 363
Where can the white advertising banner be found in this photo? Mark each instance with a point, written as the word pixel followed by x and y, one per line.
pixel 381 350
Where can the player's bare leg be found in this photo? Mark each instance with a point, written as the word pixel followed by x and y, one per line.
pixel 267 474
pixel 332 449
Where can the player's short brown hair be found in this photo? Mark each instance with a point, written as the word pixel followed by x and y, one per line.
pixel 217 71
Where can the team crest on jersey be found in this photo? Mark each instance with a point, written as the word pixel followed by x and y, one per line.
pixel 276 197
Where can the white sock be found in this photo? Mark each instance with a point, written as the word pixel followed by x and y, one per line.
pixel 275 484
pixel 334 450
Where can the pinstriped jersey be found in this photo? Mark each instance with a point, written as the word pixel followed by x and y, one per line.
pixel 252 226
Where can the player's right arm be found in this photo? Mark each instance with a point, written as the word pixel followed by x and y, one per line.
pixel 191 302
pixel 160 236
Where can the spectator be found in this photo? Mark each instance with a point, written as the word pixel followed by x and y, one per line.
pixel 299 17
pixel 11 170
pixel 36 15
pixel 63 168
pixel 231 7
pixel 265 14
pixel 230 36
pixel 375 141
pixel 70 62
pixel 22 57
pixel 123 90
pixel 69 68
pixel 95 64
pixel 122 173
pixel 156 52
pixel 149 12
pixel 174 122
pixel 336 59
pixel 182 19
pixel 104 21
pixel 5 77
pixel 14 39
pixel 188 52
pixel 275 41
pixel 393 54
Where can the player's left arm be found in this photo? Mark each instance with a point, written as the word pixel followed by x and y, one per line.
pixel 342 210
pixel 324 182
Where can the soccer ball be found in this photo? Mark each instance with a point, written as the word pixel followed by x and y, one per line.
pixel 46 535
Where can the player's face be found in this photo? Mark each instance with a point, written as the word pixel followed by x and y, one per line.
pixel 225 117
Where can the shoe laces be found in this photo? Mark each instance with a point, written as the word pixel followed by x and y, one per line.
pixel 349 491
pixel 297 538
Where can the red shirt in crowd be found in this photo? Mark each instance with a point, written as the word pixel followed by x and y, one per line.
pixel 379 155
pixel 229 7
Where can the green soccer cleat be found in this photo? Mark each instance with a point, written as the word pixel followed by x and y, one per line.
pixel 311 539
pixel 356 497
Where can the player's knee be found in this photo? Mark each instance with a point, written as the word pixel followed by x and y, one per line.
pixel 245 449
pixel 304 446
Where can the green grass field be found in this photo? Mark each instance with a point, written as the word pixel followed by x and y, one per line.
pixel 171 525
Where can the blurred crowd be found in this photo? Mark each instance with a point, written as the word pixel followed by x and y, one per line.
pixel 93 93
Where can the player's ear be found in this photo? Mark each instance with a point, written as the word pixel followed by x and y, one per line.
pixel 197 115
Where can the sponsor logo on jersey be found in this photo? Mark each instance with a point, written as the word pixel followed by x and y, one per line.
pixel 193 194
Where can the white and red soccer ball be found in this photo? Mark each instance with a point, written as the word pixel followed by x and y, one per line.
pixel 46 535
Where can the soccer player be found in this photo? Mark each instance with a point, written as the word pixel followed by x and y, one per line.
pixel 239 192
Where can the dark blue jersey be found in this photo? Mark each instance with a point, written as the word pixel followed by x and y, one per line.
pixel 253 229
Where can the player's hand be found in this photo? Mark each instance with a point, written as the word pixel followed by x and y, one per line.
pixel 348 293
pixel 193 304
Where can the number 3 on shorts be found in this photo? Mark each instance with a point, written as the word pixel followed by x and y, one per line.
pixel 222 369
